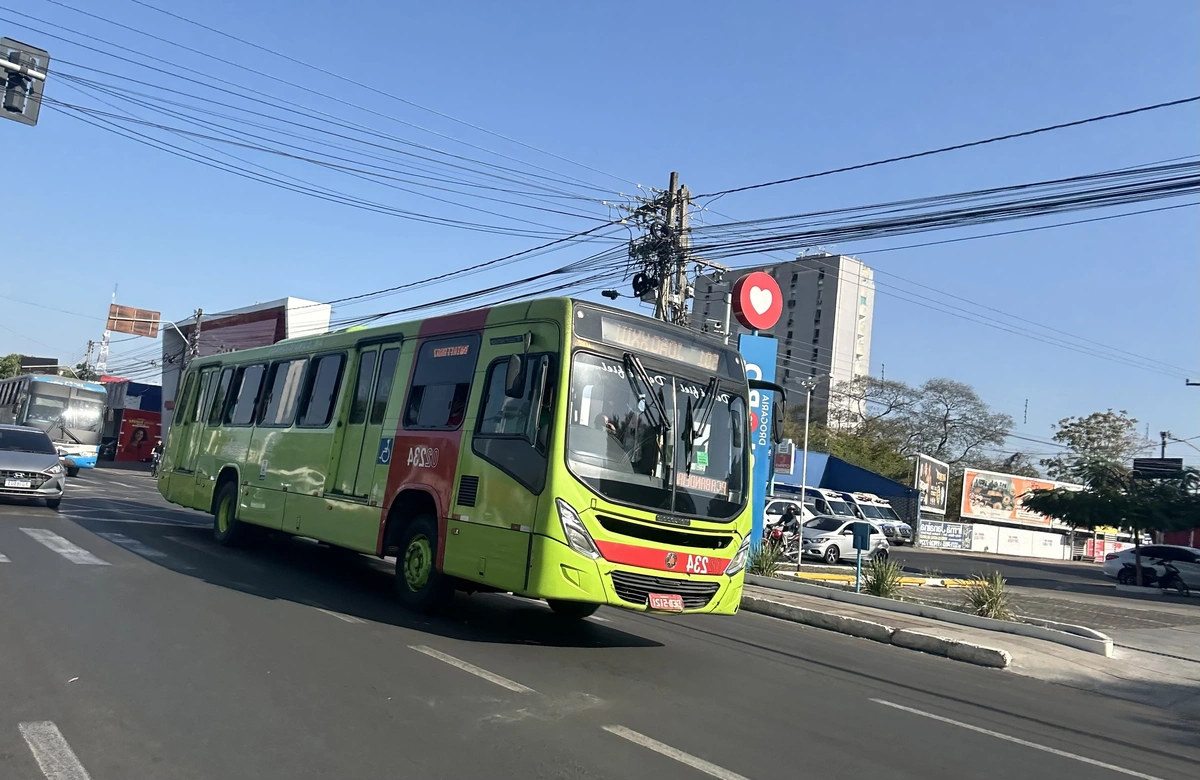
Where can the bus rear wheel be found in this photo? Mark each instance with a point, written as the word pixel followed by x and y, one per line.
pixel 572 610
pixel 420 586
pixel 227 529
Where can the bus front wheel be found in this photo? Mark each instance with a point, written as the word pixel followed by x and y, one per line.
pixel 227 529
pixel 572 610
pixel 420 586
pixel 72 471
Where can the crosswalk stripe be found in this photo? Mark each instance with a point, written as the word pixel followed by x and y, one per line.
pixel 133 545
pixel 51 751
pixel 64 548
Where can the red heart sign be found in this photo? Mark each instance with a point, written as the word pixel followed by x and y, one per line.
pixel 757 301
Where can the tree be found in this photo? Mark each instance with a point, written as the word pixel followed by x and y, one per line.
pixel 10 365
pixel 1102 439
pixel 874 453
pixel 1112 496
pixel 85 372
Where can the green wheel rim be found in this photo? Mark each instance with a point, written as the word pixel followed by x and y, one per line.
pixel 418 563
pixel 224 515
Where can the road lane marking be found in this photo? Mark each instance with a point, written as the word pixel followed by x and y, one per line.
pixel 339 615
pixel 166 523
pixel 51 751
pixel 4 558
pixel 708 768
pixel 133 545
pixel 195 545
pixel 503 682
pixel 64 548
pixel 1018 741
pixel 601 619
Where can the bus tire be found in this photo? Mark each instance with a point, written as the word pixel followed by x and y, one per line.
pixel 420 586
pixel 572 610
pixel 72 471
pixel 227 529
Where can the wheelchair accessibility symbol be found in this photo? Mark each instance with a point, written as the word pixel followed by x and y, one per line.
pixel 385 452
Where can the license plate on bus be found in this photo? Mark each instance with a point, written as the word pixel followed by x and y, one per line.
pixel 666 602
pixel 18 483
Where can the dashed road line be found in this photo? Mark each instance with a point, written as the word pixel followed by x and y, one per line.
pixel 503 682
pixel 708 768
pixel 64 548
pixel 133 545
pixel 339 615
pixel 4 558
pixel 1019 741
pixel 51 751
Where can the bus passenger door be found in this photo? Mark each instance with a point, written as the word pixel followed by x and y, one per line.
pixel 504 459
pixel 372 451
pixel 353 435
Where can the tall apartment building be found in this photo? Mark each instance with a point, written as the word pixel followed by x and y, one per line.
pixel 825 329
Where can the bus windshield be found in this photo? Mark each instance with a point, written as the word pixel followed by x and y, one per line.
pixel 618 445
pixel 49 408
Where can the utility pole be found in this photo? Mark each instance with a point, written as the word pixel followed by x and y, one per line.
pixel 1165 435
pixel 193 346
pixel 661 255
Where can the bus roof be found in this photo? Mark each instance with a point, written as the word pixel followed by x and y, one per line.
pixel 66 380
pixel 536 308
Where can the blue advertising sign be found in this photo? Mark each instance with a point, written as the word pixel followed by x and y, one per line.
pixel 759 353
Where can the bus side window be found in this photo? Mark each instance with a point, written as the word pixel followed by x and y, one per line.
pixel 204 393
pixel 441 383
pixel 188 397
pixel 220 398
pixel 279 403
pixel 320 391
pixel 246 386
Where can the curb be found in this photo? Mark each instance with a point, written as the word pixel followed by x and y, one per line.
pixel 932 582
pixel 877 632
pixel 1078 637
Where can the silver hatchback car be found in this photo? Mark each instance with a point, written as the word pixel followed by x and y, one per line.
pixel 832 539
pixel 29 465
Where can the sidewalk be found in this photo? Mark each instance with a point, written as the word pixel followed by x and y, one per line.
pixel 1153 679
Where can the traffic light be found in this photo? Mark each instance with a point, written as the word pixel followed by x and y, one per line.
pixel 25 70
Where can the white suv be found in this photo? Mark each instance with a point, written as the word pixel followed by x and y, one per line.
pixel 832 540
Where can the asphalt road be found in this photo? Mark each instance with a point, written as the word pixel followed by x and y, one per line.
pixel 134 648
pixel 1020 572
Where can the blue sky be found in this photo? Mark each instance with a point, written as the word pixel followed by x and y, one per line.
pixel 727 94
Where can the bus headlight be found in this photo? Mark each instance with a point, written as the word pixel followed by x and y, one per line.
pixel 738 562
pixel 577 533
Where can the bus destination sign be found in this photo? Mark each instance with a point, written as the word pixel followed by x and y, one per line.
pixel 642 340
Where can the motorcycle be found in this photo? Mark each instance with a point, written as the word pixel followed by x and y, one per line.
pixel 155 460
pixel 1170 579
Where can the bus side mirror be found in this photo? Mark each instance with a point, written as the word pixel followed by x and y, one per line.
pixel 514 377
pixel 735 426
pixel 778 418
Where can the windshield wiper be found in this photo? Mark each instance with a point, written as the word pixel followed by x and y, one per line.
pixel 62 426
pixel 636 372
pixel 692 432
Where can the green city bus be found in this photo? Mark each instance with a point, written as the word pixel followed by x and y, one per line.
pixel 554 449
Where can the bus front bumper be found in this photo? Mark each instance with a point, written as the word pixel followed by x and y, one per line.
pixel 562 573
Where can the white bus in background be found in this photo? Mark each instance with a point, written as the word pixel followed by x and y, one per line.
pixel 879 511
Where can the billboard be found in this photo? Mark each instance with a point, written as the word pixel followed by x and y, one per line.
pixel 759 352
pixel 988 495
pixel 139 431
pixel 139 322
pixel 932 480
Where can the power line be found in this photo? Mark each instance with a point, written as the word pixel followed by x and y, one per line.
pixel 205 80
pixel 305 89
pixel 956 147
pixel 349 80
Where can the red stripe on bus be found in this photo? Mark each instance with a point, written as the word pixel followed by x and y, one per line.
pixel 435 477
pixel 663 560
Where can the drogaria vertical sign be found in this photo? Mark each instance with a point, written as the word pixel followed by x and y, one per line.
pixel 759 352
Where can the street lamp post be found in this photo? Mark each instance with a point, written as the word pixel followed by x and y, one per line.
pixel 809 385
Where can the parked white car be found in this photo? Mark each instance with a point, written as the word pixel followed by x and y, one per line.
pixel 832 540
pixel 1185 559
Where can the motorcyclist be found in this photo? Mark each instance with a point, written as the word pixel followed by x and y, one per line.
pixel 790 521
pixel 156 456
